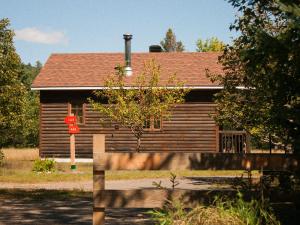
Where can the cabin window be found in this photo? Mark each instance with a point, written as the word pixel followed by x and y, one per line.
pixel 153 124
pixel 77 110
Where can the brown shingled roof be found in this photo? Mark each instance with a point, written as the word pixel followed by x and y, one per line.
pixel 91 69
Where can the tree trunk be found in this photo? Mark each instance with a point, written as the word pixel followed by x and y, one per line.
pixel 138 144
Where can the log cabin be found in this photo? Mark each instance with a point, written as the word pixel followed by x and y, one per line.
pixel 67 80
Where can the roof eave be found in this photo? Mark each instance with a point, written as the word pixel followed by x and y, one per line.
pixel 102 88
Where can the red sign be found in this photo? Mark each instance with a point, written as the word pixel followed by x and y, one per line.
pixel 73 129
pixel 70 119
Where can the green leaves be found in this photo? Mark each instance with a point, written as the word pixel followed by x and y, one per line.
pixel 18 105
pixel 210 45
pixel 265 60
pixel 12 91
pixel 132 105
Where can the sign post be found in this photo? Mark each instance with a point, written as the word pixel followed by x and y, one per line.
pixel 72 151
pixel 73 129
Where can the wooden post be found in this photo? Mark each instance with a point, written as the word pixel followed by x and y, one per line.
pixel 98 177
pixel 248 143
pixel 72 151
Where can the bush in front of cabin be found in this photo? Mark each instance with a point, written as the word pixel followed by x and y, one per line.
pixel 44 165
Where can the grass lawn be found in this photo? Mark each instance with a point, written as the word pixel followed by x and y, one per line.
pixel 17 171
pixel 19 163
pixel 21 172
pixel 117 175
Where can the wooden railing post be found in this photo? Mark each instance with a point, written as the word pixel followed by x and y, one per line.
pixel 98 177
pixel 248 143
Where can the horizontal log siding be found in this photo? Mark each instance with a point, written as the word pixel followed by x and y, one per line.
pixel 190 128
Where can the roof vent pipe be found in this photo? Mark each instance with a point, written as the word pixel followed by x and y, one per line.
pixel 128 69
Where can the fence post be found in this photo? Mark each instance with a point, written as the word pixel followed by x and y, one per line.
pixel 98 177
pixel 248 143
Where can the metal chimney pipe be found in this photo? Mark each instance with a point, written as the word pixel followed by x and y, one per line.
pixel 128 69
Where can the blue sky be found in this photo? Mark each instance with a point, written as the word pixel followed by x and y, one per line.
pixel 43 27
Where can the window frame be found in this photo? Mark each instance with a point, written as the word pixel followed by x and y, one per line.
pixel 152 122
pixel 70 107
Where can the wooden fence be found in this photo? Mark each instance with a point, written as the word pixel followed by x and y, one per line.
pixel 150 198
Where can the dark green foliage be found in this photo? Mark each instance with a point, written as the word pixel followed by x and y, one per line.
pixel 12 91
pixel 31 130
pixel 19 109
pixel 169 44
pixel 265 60
pixel 44 165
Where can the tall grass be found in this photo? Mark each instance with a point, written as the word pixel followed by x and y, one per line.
pixel 20 153
pixel 235 211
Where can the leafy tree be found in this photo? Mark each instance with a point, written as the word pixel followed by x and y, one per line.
pixel 169 44
pixel 12 91
pixel 19 107
pixel 132 107
pixel 265 61
pixel 29 72
pixel 30 132
pixel 210 45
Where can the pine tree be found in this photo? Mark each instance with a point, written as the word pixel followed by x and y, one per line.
pixel 169 44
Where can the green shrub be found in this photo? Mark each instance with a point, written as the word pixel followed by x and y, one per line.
pixel 221 212
pixel 44 165
pixel 173 211
pixel 1 158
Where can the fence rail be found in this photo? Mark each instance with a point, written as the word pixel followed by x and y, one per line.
pixel 167 161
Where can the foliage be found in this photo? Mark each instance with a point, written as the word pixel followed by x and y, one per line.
pixel 30 134
pixel 255 212
pixel 169 44
pixel 1 157
pixel 210 45
pixel 44 165
pixel 18 105
pixel 264 61
pixel 223 212
pixel 173 211
pixel 149 97
pixel 12 91
pixel 173 181
pixel 29 72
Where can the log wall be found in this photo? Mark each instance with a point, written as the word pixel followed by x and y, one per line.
pixel 190 128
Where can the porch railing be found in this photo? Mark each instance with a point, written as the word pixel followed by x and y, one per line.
pixel 232 141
